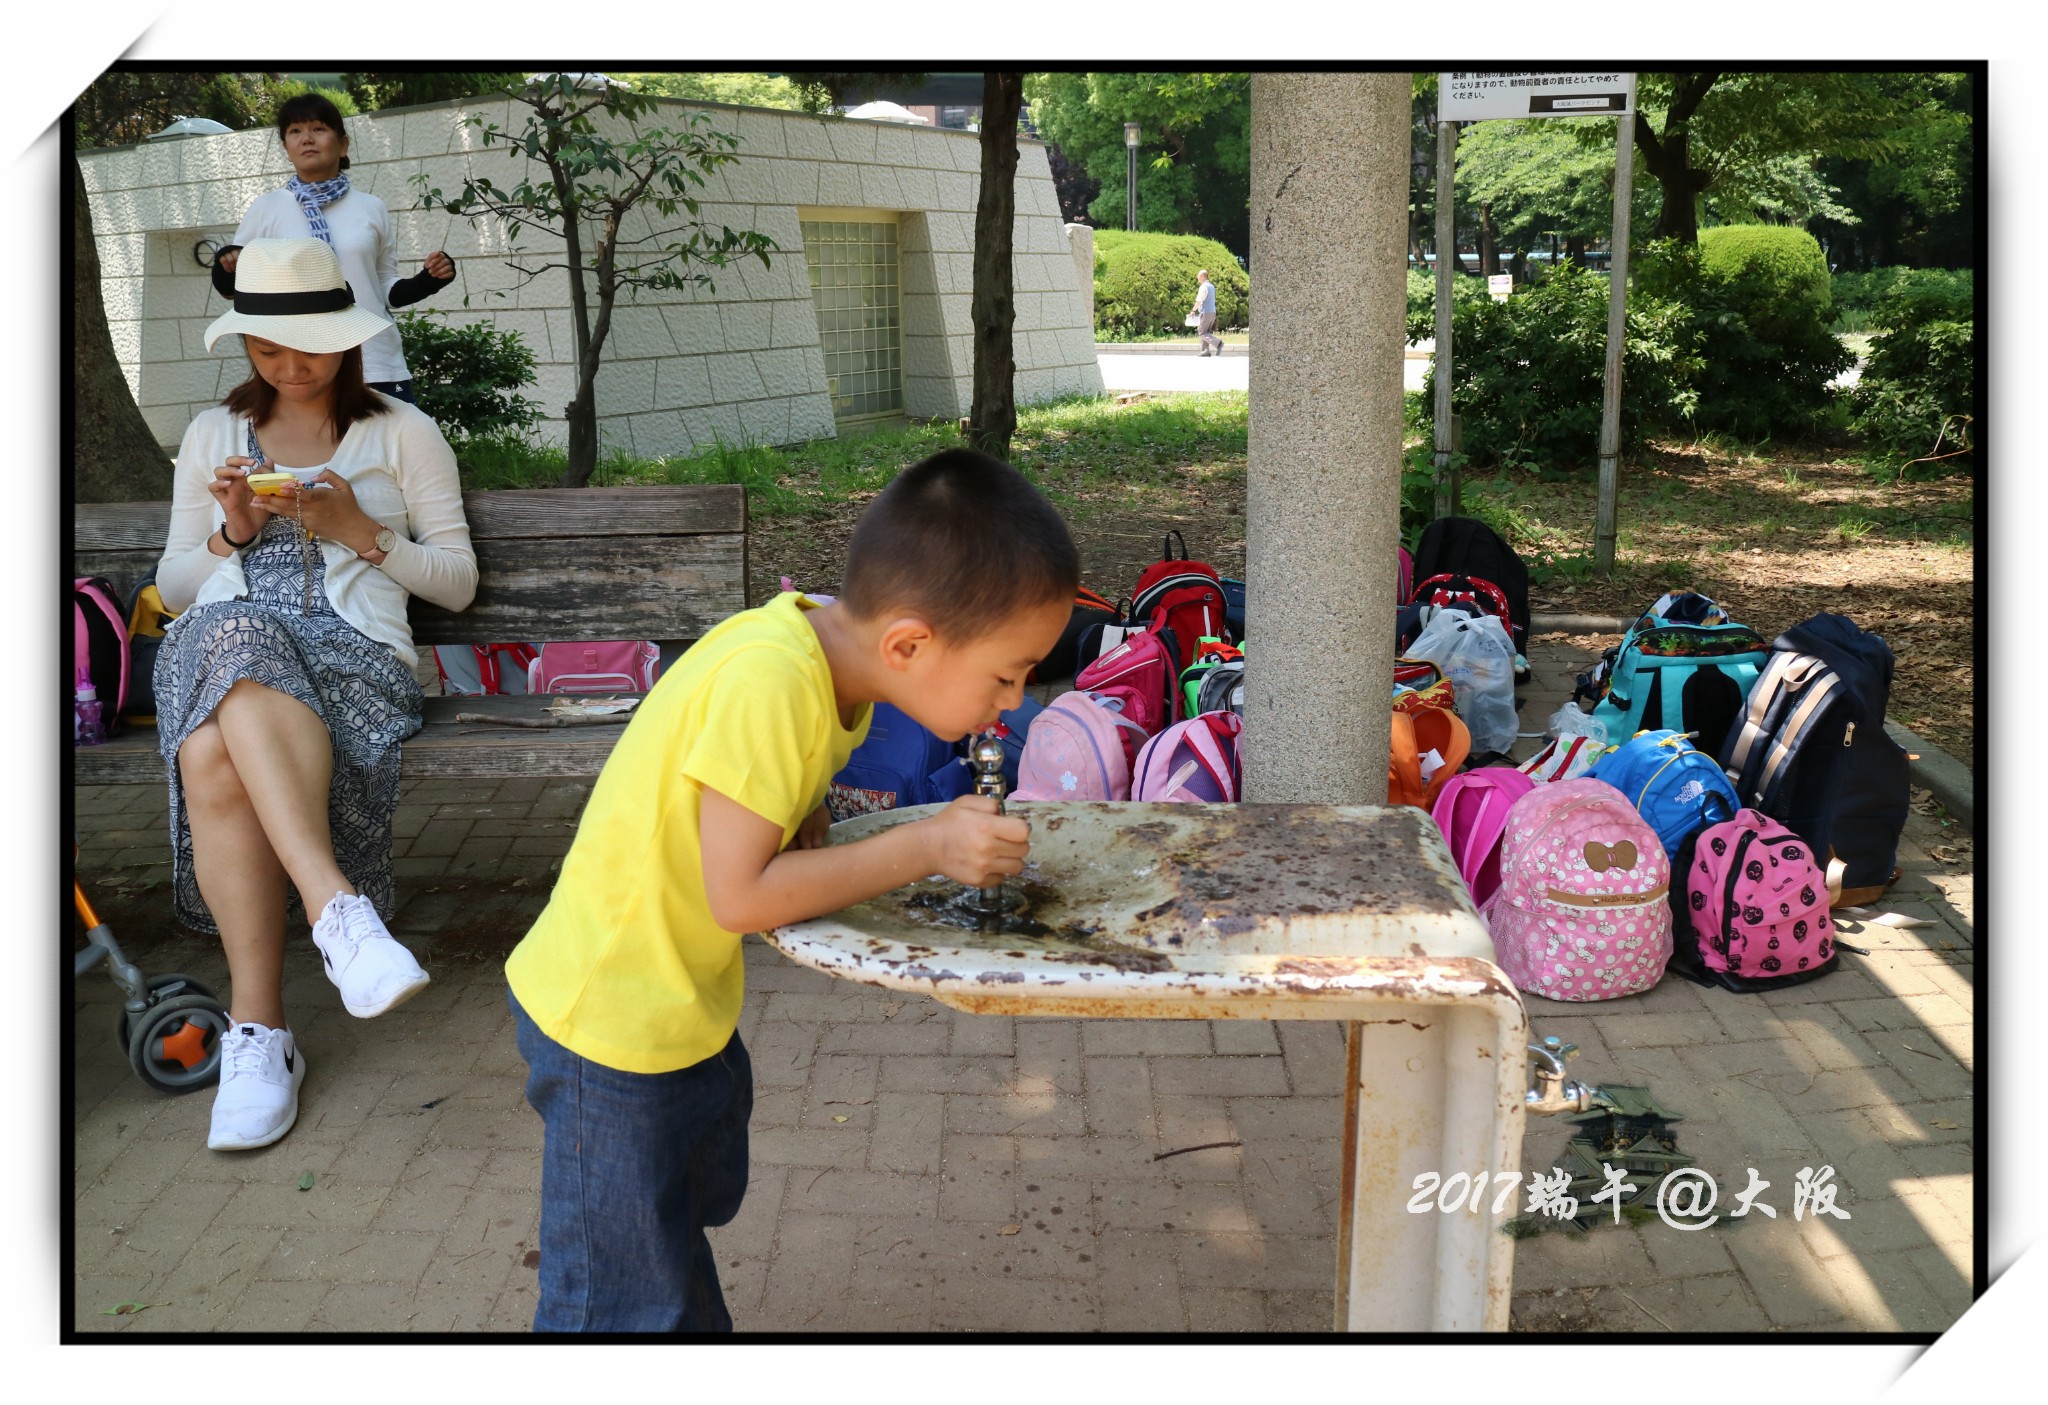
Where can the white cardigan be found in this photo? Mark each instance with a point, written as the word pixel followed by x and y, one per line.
pixel 361 226
pixel 403 474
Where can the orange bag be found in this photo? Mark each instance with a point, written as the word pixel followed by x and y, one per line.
pixel 1430 729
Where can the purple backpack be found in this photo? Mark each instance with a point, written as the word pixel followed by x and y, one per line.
pixel 1076 750
pixel 1472 811
pixel 1195 761
pixel 1757 905
pixel 1582 911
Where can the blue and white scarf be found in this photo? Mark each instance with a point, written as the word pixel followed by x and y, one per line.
pixel 313 197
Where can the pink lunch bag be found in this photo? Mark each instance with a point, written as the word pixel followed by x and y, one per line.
pixel 1757 901
pixel 608 666
pixel 1582 912
pixel 1472 811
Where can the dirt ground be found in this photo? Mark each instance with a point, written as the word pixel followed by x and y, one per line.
pixel 1775 539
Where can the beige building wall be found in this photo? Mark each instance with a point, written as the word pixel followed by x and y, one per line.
pixel 680 369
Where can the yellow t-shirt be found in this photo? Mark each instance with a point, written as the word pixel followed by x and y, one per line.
pixel 625 965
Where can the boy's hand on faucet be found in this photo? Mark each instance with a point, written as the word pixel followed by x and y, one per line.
pixel 970 843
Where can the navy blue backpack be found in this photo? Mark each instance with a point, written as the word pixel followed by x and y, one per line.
pixel 901 762
pixel 1810 750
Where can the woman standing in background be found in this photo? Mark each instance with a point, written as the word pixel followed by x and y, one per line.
pixel 318 201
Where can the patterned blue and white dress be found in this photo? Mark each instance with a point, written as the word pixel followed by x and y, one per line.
pixel 369 701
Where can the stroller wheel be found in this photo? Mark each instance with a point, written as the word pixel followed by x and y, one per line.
pixel 162 988
pixel 175 1044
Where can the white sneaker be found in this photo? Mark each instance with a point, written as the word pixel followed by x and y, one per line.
pixel 258 1100
pixel 372 971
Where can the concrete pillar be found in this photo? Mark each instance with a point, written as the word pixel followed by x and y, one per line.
pixel 1081 244
pixel 1329 210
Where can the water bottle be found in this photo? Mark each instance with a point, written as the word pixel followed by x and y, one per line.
pixel 86 727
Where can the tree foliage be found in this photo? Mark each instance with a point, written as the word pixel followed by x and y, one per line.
pixel 1915 208
pixel 1194 146
pixel 1916 399
pixel 591 191
pixel 1705 128
pixel 739 89
pixel 412 87
pixel 122 106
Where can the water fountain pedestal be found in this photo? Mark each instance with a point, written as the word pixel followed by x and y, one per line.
pixel 1268 912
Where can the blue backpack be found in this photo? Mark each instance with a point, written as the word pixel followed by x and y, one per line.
pixel 903 763
pixel 1677 789
pixel 900 763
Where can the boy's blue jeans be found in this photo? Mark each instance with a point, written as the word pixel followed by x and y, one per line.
pixel 635 1166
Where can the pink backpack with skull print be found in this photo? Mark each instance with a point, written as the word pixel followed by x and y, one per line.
pixel 1582 912
pixel 1758 905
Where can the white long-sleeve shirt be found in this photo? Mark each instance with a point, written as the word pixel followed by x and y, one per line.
pixel 361 226
pixel 404 477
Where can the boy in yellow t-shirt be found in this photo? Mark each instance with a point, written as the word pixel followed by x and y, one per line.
pixel 708 822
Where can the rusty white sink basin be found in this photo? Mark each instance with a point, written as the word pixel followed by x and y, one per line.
pixel 1279 912
pixel 1170 902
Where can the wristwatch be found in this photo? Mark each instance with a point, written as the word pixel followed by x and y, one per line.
pixel 386 539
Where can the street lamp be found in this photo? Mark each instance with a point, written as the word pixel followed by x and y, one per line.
pixel 1131 175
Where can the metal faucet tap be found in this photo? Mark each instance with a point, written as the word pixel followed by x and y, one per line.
pixel 1551 1091
pixel 986 757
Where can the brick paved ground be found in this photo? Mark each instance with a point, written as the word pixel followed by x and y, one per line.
pixel 917 1169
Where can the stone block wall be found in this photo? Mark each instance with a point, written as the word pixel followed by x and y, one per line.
pixel 738 361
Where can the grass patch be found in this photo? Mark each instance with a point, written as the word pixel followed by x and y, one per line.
pixel 1077 451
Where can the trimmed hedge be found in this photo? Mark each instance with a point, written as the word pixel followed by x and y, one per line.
pixel 468 378
pixel 1527 374
pixel 1759 305
pixel 1145 283
pixel 1921 378
pixel 1857 295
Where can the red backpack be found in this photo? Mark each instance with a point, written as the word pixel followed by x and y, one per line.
pixel 1141 674
pixel 1456 588
pixel 1183 597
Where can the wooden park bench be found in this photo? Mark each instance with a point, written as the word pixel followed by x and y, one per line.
pixel 585 563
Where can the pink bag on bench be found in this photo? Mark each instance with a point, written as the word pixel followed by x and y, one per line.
pixel 610 666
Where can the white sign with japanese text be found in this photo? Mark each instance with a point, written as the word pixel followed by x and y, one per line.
pixel 1479 97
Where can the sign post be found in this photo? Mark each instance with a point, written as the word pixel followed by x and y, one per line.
pixel 1446 264
pixel 1604 529
pixel 1483 97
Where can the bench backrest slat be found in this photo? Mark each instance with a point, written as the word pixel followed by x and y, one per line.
pixel 661 563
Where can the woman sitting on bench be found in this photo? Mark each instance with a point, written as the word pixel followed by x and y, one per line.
pixel 285 688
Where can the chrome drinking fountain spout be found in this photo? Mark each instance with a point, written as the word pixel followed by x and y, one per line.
pixel 1551 1091
pixel 986 757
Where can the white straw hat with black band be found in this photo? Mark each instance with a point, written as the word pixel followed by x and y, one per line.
pixel 291 291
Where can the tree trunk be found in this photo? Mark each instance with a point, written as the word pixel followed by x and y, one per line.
pixel 114 454
pixel 993 418
pixel 1489 251
pixel 1668 157
pixel 1575 250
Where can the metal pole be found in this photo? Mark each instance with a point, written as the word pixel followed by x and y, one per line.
pixel 1610 398
pixel 1446 260
pixel 1130 175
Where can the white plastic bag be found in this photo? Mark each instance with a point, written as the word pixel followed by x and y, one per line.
pixel 1476 654
pixel 1570 721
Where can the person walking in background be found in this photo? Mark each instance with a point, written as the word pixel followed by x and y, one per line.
pixel 1205 311
pixel 318 201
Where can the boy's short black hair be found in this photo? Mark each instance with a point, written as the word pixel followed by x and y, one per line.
pixel 962 541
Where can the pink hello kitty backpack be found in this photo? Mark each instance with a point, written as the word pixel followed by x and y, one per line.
pixel 1472 811
pixel 1756 907
pixel 1194 761
pixel 1078 749
pixel 1582 912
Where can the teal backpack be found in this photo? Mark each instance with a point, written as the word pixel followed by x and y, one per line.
pixel 1683 666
